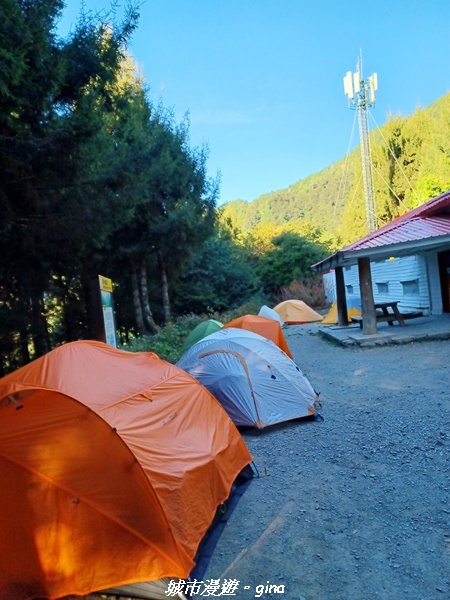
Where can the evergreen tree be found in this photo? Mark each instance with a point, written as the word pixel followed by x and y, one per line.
pixel 290 260
pixel 221 276
pixel 51 135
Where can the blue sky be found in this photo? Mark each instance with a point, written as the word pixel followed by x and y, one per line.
pixel 262 79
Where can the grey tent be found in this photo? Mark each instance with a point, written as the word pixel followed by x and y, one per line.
pixel 270 313
pixel 255 381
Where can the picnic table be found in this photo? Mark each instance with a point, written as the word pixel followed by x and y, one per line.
pixel 385 311
pixel 390 313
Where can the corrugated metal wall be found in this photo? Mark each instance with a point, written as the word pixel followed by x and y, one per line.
pixel 405 279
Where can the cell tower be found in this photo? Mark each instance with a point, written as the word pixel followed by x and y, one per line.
pixel 361 94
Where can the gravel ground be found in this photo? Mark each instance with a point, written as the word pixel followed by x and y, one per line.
pixel 354 506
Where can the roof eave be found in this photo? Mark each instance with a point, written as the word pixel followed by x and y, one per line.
pixel 346 258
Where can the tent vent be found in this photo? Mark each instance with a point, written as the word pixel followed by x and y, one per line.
pixel 16 403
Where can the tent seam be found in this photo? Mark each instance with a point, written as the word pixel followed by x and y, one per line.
pixel 93 505
pixel 244 365
pixel 42 388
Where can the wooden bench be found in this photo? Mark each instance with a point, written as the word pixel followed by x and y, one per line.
pixel 389 312
pixel 380 317
pixel 358 320
pixel 390 318
pixel 412 315
pixel 383 314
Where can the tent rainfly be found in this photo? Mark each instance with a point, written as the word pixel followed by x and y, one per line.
pixel 255 381
pixel 297 312
pixel 114 464
pixel 200 331
pixel 270 313
pixel 268 328
pixel 331 318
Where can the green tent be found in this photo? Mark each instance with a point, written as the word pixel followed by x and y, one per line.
pixel 200 331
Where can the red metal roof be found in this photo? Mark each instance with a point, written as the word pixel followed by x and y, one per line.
pixel 428 220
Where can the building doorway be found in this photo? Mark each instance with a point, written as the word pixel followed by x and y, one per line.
pixel 444 271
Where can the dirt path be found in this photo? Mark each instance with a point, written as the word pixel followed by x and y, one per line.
pixel 354 507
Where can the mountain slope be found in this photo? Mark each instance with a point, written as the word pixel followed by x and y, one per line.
pixel 411 163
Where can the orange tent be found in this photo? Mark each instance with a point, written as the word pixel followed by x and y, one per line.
pixel 113 465
pixel 268 328
pixel 296 312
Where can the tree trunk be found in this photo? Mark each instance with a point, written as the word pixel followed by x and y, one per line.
pixel 164 289
pixel 23 323
pixel 38 326
pixel 89 300
pixel 70 312
pixel 65 312
pixel 23 343
pixel 138 314
pixel 149 322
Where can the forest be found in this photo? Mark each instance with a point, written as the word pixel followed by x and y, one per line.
pixel 96 179
pixel 410 159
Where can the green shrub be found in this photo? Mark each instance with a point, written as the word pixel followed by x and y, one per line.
pixel 168 343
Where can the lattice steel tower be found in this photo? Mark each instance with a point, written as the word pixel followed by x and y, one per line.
pixel 361 94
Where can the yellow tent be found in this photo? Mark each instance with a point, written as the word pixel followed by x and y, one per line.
pixel 296 311
pixel 331 317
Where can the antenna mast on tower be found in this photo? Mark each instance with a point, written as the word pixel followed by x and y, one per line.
pixel 361 94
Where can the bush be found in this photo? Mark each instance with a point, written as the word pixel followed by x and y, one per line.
pixel 251 307
pixel 310 291
pixel 168 343
pixel 289 261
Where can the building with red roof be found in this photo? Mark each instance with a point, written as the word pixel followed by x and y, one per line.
pixel 411 255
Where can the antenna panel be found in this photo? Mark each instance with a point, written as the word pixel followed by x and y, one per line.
pixel 374 81
pixel 373 86
pixel 348 85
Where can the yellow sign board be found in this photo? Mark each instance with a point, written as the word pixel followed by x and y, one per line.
pixel 105 283
pixel 106 299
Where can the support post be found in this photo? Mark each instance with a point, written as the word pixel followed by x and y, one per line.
pixel 367 303
pixel 341 300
